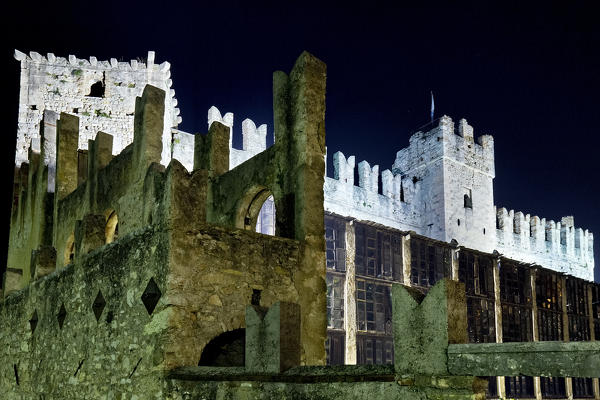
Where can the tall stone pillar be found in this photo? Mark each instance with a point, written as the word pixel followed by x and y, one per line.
pixel 299 119
pixel 350 295
pixel 566 338
pixel 67 139
pixel 498 314
pixel 596 381
pixel 535 328
pixel 455 263
pixel 406 256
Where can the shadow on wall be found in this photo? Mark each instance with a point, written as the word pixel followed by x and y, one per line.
pixel 226 350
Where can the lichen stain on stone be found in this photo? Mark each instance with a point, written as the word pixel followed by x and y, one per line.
pixel 160 322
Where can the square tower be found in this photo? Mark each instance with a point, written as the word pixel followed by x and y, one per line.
pixel 452 178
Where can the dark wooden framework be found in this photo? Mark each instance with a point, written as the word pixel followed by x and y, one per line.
pixel 374 349
pixel 476 272
pixel 430 262
pixel 373 306
pixel 335 244
pixel 519 387
pixel 548 288
pixel 553 388
pixel 515 296
pixel 335 346
pixel 583 388
pixel 578 313
pixel 378 252
pixel 578 309
pixel 549 300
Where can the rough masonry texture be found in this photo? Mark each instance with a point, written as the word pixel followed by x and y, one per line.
pixel 135 269
pixel 101 93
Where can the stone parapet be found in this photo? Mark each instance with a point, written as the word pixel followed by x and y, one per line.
pixel 574 359
pixel 559 246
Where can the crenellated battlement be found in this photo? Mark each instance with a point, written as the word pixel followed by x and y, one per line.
pixel 101 93
pixel 555 244
pixel 92 62
pixel 254 139
pixel 390 206
pixel 446 141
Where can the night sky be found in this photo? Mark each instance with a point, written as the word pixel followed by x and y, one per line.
pixel 528 76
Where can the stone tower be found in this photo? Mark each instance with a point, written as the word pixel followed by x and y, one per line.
pixel 101 93
pixel 450 179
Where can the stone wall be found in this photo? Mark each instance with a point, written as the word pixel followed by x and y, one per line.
pixel 64 85
pixel 342 382
pixel 213 275
pixel 394 207
pixel 555 245
pixel 107 347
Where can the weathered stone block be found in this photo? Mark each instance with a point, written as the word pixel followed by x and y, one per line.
pixel 89 234
pixel 576 359
pixel 211 151
pixel 66 154
pixel 13 280
pixel 273 337
pixel 103 145
pixel 148 127
pixel 43 261
pixel 423 327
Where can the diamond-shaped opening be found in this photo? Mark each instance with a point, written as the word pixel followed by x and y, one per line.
pixel 151 296
pixel 98 305
pixel 62 314
pixel 33 321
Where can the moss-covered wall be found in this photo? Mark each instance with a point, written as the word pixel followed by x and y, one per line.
pixel 31 215
pixel 121 353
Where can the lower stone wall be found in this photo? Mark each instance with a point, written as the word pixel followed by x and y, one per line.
pixel 117 356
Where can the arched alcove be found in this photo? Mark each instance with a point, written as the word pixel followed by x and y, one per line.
pixel 226 350
pixel 111 231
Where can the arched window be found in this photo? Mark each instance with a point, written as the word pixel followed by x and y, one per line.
pixel 226 350
pixel 257 212
pixel 69 250
pixel 265 223
pixel 111 231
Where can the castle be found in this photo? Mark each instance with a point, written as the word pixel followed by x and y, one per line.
pixel 113 205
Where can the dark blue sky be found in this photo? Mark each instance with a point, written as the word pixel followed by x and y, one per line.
pixel 529 74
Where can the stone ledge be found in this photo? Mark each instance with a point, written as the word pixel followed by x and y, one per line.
pixel 557 359
pixel 523 347
pixel 305 374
